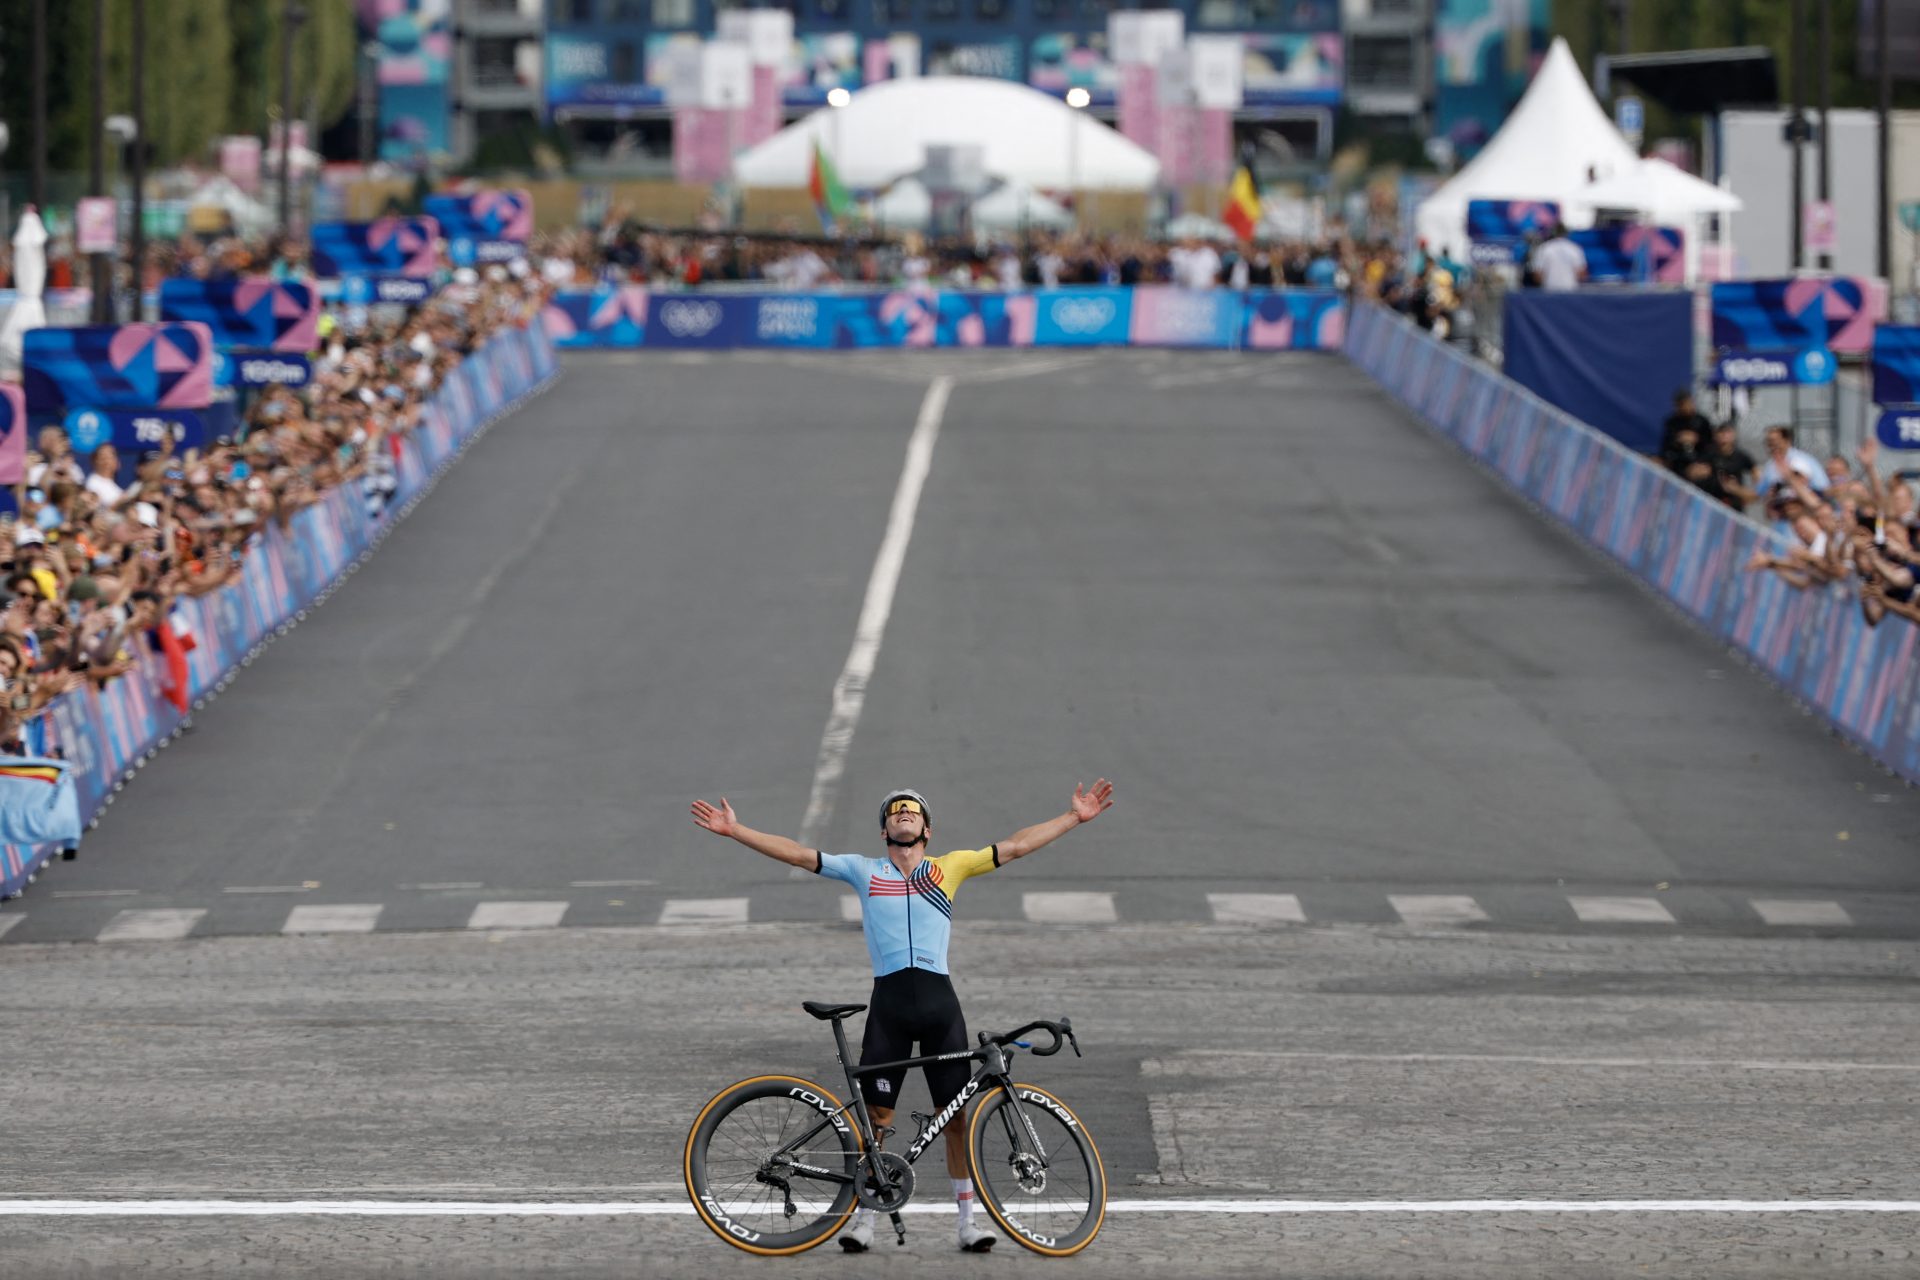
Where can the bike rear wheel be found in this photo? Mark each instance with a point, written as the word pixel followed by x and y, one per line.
pixel 742 1178
pixel 1037 1171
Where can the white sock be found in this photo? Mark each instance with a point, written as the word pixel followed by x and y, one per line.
pixel 861 1217
pixel 963 1197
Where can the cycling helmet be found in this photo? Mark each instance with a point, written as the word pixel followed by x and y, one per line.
pixel 886 805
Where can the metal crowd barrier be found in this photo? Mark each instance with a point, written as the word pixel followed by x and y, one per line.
pixel 1683 544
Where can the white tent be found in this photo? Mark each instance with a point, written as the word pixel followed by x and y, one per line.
pixel 904 206
pixel 1664 193
pixel 884 131
pixel 1556 143
pixel 1014 206
pixel 221 192
pixel 1666 196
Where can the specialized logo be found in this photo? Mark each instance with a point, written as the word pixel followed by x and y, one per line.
pixel 788 318
pixel 1081 315
pixel 690 319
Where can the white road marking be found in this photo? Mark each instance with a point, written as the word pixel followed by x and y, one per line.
pixel 8 921
pixel 1256 908
pixel 268 888
pixel 332 918
pixel 1436 908
pixel 850 908
pixel 1008 372
pixel 96 893
pixel 1069 908
pixel 516 915
pixel 850 690
pixel 1788 911
pixel 445 884
pixel 704 911
pixel 157 925
pixel 1621 910
pixel 669 1208
pixel 1194 1059
pixel 610 884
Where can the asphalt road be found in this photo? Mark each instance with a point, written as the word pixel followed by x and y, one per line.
pixel 1446 863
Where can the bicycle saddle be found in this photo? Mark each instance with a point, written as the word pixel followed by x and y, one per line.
pixel 830 1012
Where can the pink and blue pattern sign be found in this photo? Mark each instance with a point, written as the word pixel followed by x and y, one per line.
pixel 129 366
pixel 383 247
pixel 246 315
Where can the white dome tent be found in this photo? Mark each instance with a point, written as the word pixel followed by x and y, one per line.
pixel 883 133
pixel 1555 145
pixel 1667 196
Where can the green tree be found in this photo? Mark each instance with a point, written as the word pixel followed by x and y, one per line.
pixel 325 49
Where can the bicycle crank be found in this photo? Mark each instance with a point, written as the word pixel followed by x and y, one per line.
pixel 885 1182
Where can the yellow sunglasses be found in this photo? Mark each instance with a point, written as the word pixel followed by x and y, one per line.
pixel 905 806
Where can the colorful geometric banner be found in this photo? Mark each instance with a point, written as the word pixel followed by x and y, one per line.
pixel 1259 319
pixel 488 226
pixel 13 434
pixel 246 315
pixel 129 366
pixel 384 247
pixel 1896 364
pixel 1619 254
pixel 104 732
pixel 1837 312
pixel 1689 547
pixel 1501 230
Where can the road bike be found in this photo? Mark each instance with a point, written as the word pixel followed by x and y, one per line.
pixel 776 1164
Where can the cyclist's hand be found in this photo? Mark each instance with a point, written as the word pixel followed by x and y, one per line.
pixel 719 821
pixel 1092 802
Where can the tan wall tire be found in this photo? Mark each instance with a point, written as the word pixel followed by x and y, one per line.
pixel 1060 1223
pixel 714 1189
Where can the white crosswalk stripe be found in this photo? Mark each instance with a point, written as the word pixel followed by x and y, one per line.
pixel 1789 911
pixel 152 925
pixel 516 915
pixel 704 911
pixel 8 921
pixel 850 908
pixel 1620 910
pixel 1070 908
pixel 1436 908
pixel 1256 908
pixel 339 917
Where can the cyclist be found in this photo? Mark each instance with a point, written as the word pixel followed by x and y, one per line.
pixel 906 907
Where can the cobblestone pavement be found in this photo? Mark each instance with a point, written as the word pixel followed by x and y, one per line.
pixel 1333 1064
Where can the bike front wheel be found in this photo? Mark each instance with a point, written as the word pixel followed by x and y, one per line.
pixel 1036 1170
pixel 770 1165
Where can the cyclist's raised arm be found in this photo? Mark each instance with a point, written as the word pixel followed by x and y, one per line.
pixel 722 822
pixel 1087 805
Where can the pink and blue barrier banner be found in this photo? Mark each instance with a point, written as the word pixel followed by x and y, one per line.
pixel 1499 231
pixel 1619 254
pixel 128 366
pixel 1864 680
pixel 102 733
pixel 1155 316
pixel 246 315
pixel 383 247
pixel 1896 364
pixel 487 226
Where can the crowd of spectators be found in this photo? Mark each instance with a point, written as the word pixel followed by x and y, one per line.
pixel 1844 521
pixel 100 547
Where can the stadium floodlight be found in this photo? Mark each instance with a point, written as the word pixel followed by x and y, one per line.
pixel 1078 98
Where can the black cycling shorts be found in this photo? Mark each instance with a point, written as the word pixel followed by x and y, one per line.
pixel 909 1007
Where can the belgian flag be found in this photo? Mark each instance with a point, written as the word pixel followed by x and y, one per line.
pixel 1242 213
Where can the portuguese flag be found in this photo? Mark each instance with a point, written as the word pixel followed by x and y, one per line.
pixel 829 197
pixel 1243 203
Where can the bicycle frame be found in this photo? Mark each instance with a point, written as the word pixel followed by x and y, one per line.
pixel 995 1067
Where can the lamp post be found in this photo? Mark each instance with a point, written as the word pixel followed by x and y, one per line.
pixel 40 104
pixel 1077 98
pixel 291 16
pixel 138 86
pixel 102 265
pixel 1826 121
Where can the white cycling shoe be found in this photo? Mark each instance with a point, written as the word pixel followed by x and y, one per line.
pixel 974 1240
pixel 858 1238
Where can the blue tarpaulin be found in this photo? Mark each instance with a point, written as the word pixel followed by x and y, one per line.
pixel 1612 360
